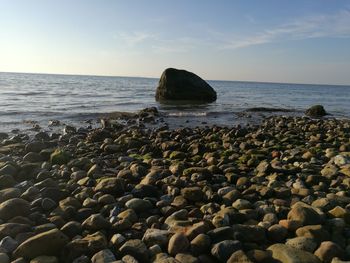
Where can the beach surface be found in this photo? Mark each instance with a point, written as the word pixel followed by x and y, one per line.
pixel 132 191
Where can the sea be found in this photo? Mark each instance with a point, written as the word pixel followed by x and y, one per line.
pixel 29 100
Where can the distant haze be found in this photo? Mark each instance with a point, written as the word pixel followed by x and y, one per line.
pixel 272 41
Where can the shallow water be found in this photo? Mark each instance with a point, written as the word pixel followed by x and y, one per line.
pixel 73 99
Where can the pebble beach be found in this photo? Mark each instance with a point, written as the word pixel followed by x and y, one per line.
pixel 130 192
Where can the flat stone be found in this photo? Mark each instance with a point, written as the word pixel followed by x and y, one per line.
pixel 316 232
pixel 288 254
pixel 13 229
pixel 45 259
pixel 14 207
pixel 186 258
pixel 303 243
pixel 139 205
pixel 48 243
pixel 111 185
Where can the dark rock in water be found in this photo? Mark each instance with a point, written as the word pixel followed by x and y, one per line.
pixel 316 111
pixel 180 85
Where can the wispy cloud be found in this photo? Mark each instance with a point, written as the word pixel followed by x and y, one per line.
pixel 317 26
pixel 134 38
pixel 335 25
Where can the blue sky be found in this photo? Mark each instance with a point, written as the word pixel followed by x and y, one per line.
pixel 303 41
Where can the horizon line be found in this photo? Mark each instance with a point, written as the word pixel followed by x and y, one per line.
pixel 223 80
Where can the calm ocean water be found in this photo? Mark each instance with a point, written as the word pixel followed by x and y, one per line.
pixel 72 99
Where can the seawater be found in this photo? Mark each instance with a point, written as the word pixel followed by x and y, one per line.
pixel 25 98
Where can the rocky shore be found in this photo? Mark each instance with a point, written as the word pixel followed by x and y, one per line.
pixel 277 192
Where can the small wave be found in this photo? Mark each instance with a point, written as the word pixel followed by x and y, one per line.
pixel 187 114
pixel 30 93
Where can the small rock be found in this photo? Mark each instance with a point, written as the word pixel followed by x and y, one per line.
pixel 135 248
pixel 193 194
pixel 139 205
pixel 8 244
pixel 14 207
pixel 329 250
pixel 104 256
pixel 96 222
pixel 4 258
pixel 305 214
pixel 239 257
pixel 178 243
pixel 44 259
pixel 303 243
pixel 224 249
pixel 287 254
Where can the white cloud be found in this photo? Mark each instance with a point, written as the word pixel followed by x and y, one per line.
pixel 134 38
pixel 317 26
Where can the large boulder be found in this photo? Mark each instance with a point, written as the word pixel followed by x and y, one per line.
pixel 316 111
pixel 175 84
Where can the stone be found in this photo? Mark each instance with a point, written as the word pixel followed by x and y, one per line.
pixel 128 259
pixel 139 205
pixel 128 214
pixel 303 243
pixel 277 233
pixel 329 250
pixel 135 248
pixel 154 236
pixel 186 258
pixel 14 207
pixel 8 169
pixel 316 232
pixel 110 185
pixel 4 258
pixel 96 222
pixel 90 244
pixel 177 84
pixel 239 257
pixel 200 244
pixel 241 204
pixel 288 254
pixel 9 193
pixel 7 181
pixel 32 157
pixel 305 214
pixel 316 111
pixel 103 256
pixel 247 233
pixel 178 243
pixel 59 156
pixel 193 194
pixel 8 244
pixel 45 259
pixel 13 229
pixel 224 249
pixel 72 229
pixel 48 243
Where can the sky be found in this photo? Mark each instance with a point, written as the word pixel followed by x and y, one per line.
pixel 299 41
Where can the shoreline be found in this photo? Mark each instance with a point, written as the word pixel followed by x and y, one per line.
pixel 146 192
